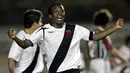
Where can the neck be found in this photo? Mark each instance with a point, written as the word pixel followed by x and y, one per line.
pixel 28 31
pixel 57 25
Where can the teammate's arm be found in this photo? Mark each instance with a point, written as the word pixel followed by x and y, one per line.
pixel 119 24
pixel 11 65
pixel 114 51
pixel 22 43
pixel 116 54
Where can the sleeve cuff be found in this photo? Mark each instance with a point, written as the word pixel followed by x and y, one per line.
pixel 91 35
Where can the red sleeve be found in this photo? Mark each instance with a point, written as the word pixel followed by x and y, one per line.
pixel 107 44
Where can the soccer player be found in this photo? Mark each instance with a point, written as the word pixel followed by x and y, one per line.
pixel 29 60
pixel 61 41
pixel 125 52
pixel 101 48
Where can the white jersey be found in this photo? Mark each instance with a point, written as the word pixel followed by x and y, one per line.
pixel 125 52
pixel 121 67
pixel 24 58
pixel 52 40
pixel 99 49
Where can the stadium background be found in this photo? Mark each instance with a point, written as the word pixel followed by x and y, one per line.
pixel 77 12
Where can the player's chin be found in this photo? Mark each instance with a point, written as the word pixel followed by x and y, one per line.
pixel 59 22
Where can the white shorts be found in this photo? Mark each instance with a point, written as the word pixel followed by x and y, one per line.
pixel 100 66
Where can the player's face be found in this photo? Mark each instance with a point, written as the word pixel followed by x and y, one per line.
pixel 58 14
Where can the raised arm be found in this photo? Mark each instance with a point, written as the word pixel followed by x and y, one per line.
pixel 100 35
pixel 22 43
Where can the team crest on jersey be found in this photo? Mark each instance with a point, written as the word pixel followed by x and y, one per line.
pixel 68 33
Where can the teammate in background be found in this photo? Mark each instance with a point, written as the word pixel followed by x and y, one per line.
pixel 29 60
pixel 125 52
pixel 100 49
pixel 62 41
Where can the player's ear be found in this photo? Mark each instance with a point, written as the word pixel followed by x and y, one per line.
pixel 34 24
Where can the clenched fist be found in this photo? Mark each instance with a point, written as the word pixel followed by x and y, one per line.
pixel 119 23
pixel 12 33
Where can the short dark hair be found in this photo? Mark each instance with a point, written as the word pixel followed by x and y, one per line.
pixel 31 16
pixel 127 40
pixel 102 17
pixel 54 4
